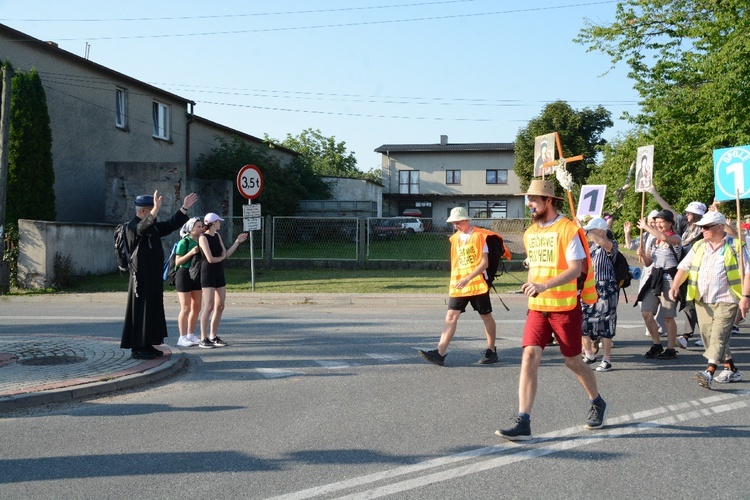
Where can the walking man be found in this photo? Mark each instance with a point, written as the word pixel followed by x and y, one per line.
pixel 558 261
pixel 715 283
pixel 469 260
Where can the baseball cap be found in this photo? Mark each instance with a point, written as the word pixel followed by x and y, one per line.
pixel 711 219
pixel 596 223
pixel 696 207
pixel 211 217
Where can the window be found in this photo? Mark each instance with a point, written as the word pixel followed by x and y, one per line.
pixel 453 177
pixel 488 209
pixel 497 176
pixel 121 108
pixel 161 120
pixel 408 181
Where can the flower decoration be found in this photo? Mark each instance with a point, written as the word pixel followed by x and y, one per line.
pixel 563 176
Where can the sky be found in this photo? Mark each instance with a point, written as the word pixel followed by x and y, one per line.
pixel 367 72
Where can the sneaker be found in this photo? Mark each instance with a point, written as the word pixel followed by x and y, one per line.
pixel 218 342
pixel 699 343
pixel 520 431
pixel 597 412
pixel 655 350
pixel 206 344
pixel 704 378
pixel 184 341
pixel 153 350
pixel 605 366
pixel 433 356
pixel 667 354
pixel 735 329
pixel 488 357
pixel 587 360
pixel 727 376
pixel 142 354
pixel 682 341
pixel 192 338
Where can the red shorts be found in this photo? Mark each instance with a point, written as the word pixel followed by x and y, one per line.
pixel 567 325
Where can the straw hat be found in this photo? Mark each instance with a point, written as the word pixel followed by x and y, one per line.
pixel 539 187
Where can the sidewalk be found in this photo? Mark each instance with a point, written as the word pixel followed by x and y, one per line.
pixel 58 368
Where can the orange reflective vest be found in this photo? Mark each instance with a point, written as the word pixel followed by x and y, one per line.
pixel 465 257
pixel 546 248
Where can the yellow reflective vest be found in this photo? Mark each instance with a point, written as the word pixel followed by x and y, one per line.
pixel 465 257
pixel 545 249
pixel 730 264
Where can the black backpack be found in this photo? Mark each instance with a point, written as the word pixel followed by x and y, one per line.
pixel 123 257
pixel 622 270
pixel 495 252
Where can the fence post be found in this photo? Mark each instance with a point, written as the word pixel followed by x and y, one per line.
pixel 362 231
pixel 268 241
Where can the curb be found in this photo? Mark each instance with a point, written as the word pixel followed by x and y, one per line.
pixel 153 373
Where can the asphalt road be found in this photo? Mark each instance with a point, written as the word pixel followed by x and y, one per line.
pixel 326 397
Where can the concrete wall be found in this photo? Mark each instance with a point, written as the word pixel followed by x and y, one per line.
pixel 345 189
pixel 89 246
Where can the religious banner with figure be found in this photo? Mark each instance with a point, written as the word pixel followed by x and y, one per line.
pixel 644 174
pixel 544 154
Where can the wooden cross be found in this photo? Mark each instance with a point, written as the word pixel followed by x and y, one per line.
pixel 550 163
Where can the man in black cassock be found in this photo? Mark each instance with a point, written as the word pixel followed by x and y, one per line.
pixel 145 325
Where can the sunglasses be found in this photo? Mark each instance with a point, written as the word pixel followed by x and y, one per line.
pixel 709 226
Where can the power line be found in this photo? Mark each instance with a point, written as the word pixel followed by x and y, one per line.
pixel 340 25
pixel 257 14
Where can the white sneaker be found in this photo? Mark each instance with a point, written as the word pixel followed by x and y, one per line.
pixel 704 379
pixel 605 366
pixel 184 342
pixel 699 343
pixel 192 338
pixel 682 341
pixel 727 376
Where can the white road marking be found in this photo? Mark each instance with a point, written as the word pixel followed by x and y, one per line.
pixel 276 372
pixel 523 451
pixel 388 358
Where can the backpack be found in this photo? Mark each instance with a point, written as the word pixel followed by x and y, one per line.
pixel 622 270
pixel 170 266
pixel 123 257
pixel 497 250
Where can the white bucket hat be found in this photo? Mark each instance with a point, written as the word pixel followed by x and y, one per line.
pixel 696 207
pixel 458 214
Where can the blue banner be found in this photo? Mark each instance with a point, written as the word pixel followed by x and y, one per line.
pixel 732 173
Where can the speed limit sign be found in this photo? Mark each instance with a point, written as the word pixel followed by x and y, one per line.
pixel 250 181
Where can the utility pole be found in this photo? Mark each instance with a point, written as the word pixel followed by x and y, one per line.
pixel 4 130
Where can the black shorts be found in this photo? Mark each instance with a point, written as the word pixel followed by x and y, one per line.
pixel 212 275
pixel 184 283
pixel 480 303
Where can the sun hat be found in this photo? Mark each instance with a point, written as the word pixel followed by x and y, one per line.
pixel 596 223
pixel 652 214
pixel 211 218
pixel 712 218
pixel 696 207
pixel 458 214
pixel 539 187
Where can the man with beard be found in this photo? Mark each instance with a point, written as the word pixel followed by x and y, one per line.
pixel 558 262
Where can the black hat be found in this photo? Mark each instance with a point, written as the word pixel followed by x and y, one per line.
pixel 144 200
pixel 666 215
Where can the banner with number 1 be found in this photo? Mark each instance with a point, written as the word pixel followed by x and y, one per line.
pixel 591 202
pixel 732 173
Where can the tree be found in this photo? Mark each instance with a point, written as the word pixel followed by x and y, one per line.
pixel 687 59
pixel 283 188
pixel 324 154
pixel 31 174
pixel 580 134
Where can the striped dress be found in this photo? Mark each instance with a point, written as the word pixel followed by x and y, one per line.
pixel 600 319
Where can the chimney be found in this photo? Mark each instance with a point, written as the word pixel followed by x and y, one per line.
pixel 443 140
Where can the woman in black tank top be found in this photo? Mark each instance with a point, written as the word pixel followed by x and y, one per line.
pixel 212 278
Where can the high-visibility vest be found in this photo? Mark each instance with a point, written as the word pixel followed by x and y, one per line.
pixel 465 257
pixel 730 264
pixel 546 248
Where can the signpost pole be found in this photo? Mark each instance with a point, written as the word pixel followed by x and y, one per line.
pixel 252 255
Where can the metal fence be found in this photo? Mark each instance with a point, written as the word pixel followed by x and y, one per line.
pixel 361 239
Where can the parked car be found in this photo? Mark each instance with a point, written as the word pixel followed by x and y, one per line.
pixel 410 224
pixel 385 228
